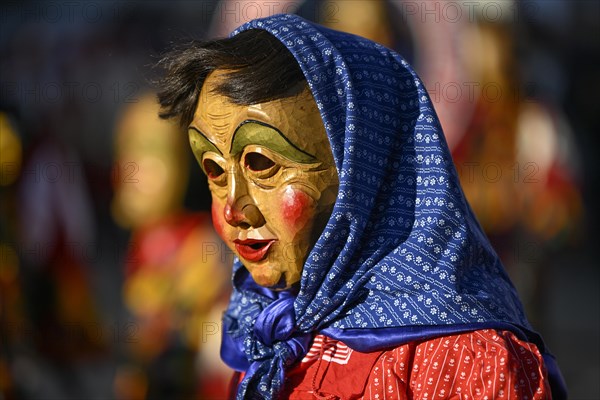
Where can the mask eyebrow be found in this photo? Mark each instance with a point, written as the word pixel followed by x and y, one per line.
pixel 200 143
pixel 259 133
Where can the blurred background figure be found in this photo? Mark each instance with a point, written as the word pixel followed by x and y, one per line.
pixel 518 162
pixel 103 271
pixel 51 316
pixel 176 277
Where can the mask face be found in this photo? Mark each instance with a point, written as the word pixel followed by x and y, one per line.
pixel 272 177
pixel 150 171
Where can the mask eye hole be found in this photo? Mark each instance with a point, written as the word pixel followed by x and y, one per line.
pixel 213 170
pixel 257 162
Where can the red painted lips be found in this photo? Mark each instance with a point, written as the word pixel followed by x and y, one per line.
pixel 253 249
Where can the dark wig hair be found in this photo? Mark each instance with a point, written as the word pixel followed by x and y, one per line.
pixel 259 67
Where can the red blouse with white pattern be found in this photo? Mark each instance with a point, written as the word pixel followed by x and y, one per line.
pixel 485 364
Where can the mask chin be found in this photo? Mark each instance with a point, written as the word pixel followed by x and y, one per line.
pixel 282 285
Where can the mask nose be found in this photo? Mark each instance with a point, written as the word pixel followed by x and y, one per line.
pixel 240 209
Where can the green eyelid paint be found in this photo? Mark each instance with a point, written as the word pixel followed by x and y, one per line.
pixel 259 134
pixel 200 144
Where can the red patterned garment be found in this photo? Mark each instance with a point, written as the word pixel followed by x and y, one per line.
pixel 484 364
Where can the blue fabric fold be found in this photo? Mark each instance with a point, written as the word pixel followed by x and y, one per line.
pixel 402 257
pixel 277 321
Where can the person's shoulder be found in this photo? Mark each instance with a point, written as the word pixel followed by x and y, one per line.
pixel 461 352
pixel 489 340
pixel 491 363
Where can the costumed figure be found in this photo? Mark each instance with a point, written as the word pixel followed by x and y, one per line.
pixel 360 269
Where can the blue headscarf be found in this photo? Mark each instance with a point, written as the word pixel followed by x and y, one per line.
pixel 402 257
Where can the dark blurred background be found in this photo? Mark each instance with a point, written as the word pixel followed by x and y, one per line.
pixel 111 279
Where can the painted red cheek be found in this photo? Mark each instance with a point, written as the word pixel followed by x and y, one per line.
pixel 217 218
pixel 294 206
